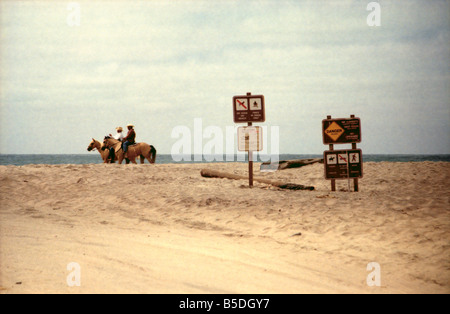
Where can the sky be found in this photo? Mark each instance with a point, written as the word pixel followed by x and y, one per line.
pixel 162 65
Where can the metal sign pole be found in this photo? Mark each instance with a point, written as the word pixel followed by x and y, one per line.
pixel 355 180
pixel 250 157
pixel 250 163
pixel 333 182
pixel 348 172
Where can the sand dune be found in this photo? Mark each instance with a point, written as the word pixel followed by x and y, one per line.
pixel 165 229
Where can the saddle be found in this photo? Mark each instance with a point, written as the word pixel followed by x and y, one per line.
pixel 119 147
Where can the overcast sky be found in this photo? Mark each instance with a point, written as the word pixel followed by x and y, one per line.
pixel 161 64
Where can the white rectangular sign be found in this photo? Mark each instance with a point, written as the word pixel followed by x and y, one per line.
pixel 250 138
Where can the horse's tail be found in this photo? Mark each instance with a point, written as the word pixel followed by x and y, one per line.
pixel 152 154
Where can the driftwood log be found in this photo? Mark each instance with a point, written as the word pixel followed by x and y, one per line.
pixel 208 173
pixel 285 164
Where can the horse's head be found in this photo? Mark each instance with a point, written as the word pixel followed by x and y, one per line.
pixel 107 142
pixel 91 145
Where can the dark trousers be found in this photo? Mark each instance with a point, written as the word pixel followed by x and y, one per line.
pixel 112 154
pixel 125 146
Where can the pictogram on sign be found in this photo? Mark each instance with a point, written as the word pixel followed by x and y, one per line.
pixel 334 131
pixel 256 104
pixel 343 164
pixel 353 158
pixel 249 108
pixel 241 104
pixel 341 131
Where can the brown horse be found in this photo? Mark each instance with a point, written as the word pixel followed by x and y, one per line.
pixel 94 144
pixel 143 150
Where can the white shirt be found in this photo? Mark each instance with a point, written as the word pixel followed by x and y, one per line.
pixel 118 136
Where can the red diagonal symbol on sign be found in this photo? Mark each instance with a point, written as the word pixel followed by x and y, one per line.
pixel 241 103
pixel 342 158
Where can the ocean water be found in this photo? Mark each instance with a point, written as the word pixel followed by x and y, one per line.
pixel 94 158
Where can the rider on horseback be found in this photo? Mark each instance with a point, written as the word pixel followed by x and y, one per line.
pixel 118 136
pixel 129 139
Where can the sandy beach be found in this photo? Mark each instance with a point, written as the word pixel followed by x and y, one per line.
pixel 164 228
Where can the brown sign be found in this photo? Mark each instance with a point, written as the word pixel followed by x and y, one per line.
pixel 249 108
pixel 343 164
pixel 341 131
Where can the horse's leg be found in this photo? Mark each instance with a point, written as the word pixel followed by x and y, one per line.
pixel 108 159
pixel 148 153
pixel 141 153
pixel 112 159
pixel 132 156
pixel 149 157
pixel 104 157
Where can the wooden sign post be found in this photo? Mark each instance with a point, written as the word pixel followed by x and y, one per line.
pixel 250 163
pixel 248 109
pixel 250 140
pixel 342 164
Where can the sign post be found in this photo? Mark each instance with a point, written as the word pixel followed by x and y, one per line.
pixel 250 163
pixel 250 140
pixel 248 109
pixel 342 164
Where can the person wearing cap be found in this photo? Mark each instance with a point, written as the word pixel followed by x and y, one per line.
pixel 129 139
pixel 118 136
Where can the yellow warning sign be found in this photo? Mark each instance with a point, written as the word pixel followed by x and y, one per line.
pixel 334 131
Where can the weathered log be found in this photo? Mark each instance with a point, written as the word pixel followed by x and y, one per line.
pixel 285 164
pixel 208 173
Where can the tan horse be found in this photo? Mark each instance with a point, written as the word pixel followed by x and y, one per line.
pixel 142 150
pixel 94 144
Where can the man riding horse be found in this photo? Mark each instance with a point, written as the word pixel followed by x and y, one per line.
pixel 129 139
pixel 129 149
